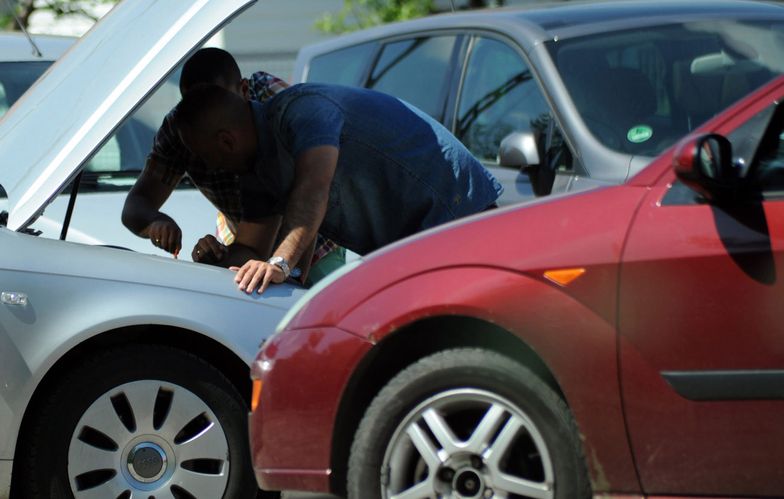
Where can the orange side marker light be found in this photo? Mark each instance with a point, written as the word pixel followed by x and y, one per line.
pixel 563 277
pixel 255 395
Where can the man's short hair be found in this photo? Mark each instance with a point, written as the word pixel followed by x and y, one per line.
pixel 209 65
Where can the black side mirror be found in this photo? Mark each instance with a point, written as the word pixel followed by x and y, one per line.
pixel 705 165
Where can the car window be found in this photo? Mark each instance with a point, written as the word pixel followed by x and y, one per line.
pixel 16 78
pixel 758 148
pixel 4 105
pixel 638 91
pixel 117 164
pixel 342 67
pixel 416 70
pixel 499 96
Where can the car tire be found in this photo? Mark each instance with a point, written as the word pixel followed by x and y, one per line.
pixel 139 421
pixel 467 422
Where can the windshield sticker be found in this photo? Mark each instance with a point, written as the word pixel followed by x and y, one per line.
pixel 639 134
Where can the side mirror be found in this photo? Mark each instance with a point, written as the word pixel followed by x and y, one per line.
pixel 518 150
pixel 705 165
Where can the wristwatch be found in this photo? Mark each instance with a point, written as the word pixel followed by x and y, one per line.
pixel 282 264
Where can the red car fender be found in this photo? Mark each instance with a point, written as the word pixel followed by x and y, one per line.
pixel 536 312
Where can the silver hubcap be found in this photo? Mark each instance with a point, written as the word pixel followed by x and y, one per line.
pixel 148 439
pixel 467 443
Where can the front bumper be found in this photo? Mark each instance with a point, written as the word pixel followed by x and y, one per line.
pixel 303 374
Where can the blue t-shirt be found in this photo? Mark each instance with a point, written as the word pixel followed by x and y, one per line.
pixel 399 171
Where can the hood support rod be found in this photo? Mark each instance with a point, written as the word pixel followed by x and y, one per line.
pixel 71 203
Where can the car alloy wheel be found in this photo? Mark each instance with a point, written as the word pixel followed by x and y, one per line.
pixel 148 437
pixel 475 433
pixel 467 423
pixel 138 422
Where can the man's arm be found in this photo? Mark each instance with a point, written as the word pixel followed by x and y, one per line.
pixel 141 213
pixel 305 210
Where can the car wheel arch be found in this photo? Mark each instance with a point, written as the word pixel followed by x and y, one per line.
pixel 197 344
pixel 397 351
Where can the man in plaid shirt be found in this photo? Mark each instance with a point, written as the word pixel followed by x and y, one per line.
pixel 170 160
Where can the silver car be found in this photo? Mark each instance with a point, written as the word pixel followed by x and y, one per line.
pixel 122 375
pixel 568 96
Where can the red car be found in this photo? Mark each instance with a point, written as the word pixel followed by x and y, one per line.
pixel 626 341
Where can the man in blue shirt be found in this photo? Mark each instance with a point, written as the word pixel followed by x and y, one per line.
pixel 363 167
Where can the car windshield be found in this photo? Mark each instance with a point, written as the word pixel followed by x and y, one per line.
pixel 640 90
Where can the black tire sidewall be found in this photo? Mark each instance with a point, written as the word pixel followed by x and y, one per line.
pixel 467 368
pixel 54 426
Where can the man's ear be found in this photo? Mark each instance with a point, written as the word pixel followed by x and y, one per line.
pixel 245 89
pixel 226 141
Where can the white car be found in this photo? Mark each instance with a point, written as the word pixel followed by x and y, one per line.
pixel 113 169
pixel 123 374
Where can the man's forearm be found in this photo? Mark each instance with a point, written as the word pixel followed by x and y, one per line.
pixel 304 214
pixel 137 215
pixel 307 204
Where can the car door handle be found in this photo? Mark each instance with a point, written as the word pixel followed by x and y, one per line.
pixel 13 298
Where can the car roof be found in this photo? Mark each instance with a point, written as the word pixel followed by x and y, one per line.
pixel 15 47
pixel 597 15
pixel 560 20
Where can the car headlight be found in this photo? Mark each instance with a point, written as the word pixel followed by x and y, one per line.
pixel 316 289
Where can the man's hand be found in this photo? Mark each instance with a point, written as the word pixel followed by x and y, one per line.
pixel 165 234
pixel 209 250
pixel 256 274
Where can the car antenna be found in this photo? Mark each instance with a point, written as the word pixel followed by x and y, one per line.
pixel 36 51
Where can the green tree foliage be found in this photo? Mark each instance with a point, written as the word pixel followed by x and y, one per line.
pixel 60 8
pixel 360 14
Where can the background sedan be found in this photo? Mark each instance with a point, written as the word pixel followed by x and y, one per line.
pixel 566 97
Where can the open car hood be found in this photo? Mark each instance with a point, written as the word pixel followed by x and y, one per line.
pixel 55 127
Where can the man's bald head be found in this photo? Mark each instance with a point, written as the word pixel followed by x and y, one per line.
pixel 217 126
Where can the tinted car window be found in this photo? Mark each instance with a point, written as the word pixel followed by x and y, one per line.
pixel 499 96
pixel 417 71
pixel 343 67
pixel 639 91
pixel 16 78
pixel 758 145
